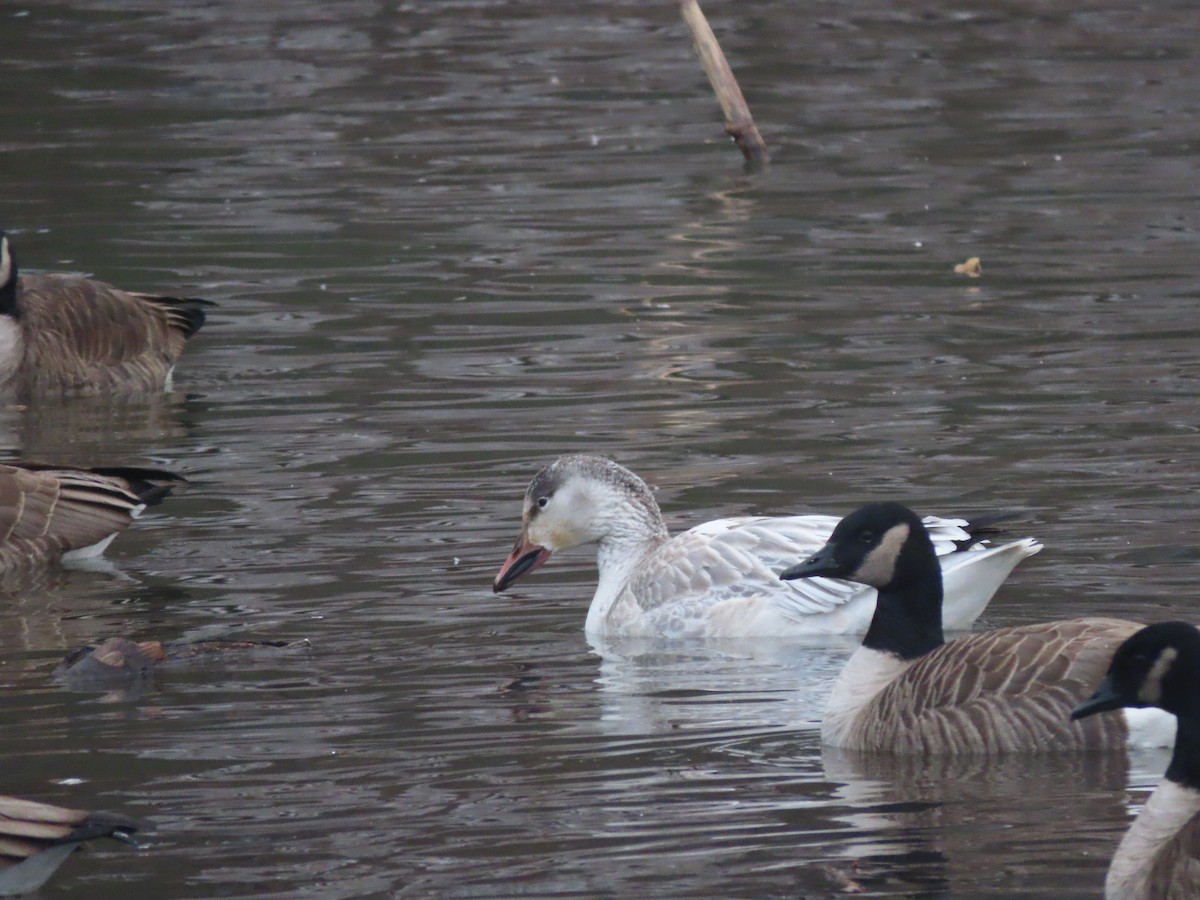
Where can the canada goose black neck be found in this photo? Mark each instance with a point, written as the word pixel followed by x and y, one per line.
pixel 8 278
pixel 1178 692
pixel 1185 759
pixel 886 546
pixel 908 613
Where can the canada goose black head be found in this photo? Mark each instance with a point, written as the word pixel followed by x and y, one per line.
pixel 881 544
pixel 886 546
pixel 1157 666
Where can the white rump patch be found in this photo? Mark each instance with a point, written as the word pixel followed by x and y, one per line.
pixel 1150 728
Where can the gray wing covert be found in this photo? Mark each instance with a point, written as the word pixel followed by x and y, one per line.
pixel 732 558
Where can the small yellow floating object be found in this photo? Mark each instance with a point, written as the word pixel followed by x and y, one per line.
pixel 971 268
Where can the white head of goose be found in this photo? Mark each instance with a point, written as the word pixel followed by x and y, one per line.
pixel 65 334
pixel 719 579
pixel 906 690
pixel 1160 854
pixel 35 838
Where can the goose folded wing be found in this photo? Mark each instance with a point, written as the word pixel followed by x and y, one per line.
pixel 1003 690
pixel 737 558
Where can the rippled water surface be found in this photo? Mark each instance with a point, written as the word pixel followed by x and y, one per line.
pixel 453 240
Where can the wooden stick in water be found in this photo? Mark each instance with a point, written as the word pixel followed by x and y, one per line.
pixel 738 122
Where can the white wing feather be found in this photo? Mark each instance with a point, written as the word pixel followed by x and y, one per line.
pixel 741 558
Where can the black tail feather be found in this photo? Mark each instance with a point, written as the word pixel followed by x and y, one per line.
pixel 151 485
pixel 187 313
pixel 984 527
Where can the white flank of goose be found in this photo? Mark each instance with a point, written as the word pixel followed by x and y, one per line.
pixel 719 579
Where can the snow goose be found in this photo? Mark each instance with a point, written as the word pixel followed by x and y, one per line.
pixel 1160 854
pixel 906 690
pixel 35 838
pixel 65 334
pixel 719 579
pixel 52 513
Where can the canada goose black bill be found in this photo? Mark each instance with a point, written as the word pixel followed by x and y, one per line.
pixel 1159 857
pixel 66 334
pixel 720 578
pixel 35 838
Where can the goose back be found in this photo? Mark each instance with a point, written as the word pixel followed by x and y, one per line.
pixel 85 336
pixel 73 335
pixel 48 513
pixel 1005 690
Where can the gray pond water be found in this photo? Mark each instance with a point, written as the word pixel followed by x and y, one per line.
pixel 452 240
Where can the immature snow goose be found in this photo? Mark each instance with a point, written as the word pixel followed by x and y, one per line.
pixel 1160 854
pixel 719 579
pixel 52 513
pixel 35 838
pixel 907 691
pixel 65 334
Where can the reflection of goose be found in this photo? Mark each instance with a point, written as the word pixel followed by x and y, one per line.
pixel 907 691
pixel 51 513
pixel 953 826
pixel 68 334
pixel 719 579
pixel 659 685
pixel 35 838
pixel 1160 854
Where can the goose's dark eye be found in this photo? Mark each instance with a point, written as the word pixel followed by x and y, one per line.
pixel 867 537
pixel 542 501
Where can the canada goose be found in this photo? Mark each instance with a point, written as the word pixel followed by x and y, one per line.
pixel 1159 857
pixel 719 579
pixel 52 513
pixel 35 838
pixel 65 334
pixel 907 691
